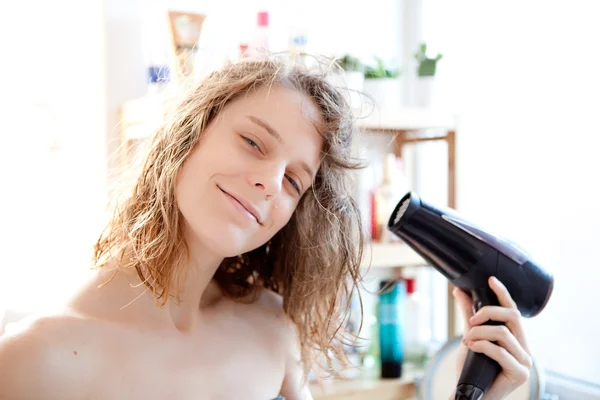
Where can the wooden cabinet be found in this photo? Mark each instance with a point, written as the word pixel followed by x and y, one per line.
pixel 415 126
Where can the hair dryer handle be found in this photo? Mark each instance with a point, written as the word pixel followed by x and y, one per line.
pixel 479 371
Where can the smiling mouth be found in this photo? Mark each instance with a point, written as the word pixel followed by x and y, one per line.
pixel 241 205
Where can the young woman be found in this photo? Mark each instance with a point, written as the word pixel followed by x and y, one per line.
pixel 222 275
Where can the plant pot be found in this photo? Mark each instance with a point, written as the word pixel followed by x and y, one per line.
pixel 386 93
pixel 350 84
pixel 424 91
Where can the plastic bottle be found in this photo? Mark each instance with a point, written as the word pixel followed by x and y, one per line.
pixel 372 359
pixel 297 44
pixel 417 326
pixel 352 352
pixel 391 330
pixel 384 199
pixel 259 46
pixel 158 78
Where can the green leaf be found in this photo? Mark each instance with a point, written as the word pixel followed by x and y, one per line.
pixel 379 70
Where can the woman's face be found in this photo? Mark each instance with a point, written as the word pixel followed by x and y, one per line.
pixel 245 177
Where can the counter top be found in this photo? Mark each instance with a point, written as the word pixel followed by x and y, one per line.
pixel 363 389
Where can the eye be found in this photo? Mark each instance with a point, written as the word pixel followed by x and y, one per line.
pixel 293 182
pixel 251 143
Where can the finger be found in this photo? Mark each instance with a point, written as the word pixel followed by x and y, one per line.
pixel 504 337
pixel 511 368
pixel 505 300
pixel 511 317
pixel 502 293
pixel 496 313
pixel 466 305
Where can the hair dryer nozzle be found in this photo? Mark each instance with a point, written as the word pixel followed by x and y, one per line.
pixel 442 244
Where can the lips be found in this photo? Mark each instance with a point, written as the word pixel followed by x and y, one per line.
pixel 245 204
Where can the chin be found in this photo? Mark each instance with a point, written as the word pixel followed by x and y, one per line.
pixel 229 242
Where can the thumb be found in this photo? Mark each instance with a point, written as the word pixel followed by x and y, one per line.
pixel 466 306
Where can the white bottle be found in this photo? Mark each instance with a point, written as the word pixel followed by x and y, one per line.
pixel 386 197
pixel 298 45
pixel 417 326
pixel 260 46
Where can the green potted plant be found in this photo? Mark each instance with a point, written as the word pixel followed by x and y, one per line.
pixel 349 77
pixel 426 70
pixel 382 84
pixel 350 63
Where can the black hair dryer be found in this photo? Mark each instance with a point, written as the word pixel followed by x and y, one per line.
pixel 468 256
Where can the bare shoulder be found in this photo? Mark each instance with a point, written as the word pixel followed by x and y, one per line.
pixel 269 318
pixel 270 301
pixel 38 359
pixel 271 304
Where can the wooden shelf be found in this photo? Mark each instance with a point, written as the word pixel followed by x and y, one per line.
pixel 145 114
pixel 363 389
pixel 390 255
pixel 408 119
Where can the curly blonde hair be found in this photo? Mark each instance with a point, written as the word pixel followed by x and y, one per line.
pixel 313 262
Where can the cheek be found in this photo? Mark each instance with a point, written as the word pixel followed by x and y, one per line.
pixel 281 213
pixel 226 158
pixel 185 194
pixel 191 180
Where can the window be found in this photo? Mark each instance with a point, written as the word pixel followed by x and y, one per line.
pixel 521 76
pixel 53 159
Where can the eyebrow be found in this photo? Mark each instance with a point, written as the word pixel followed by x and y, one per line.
pixel 277 137
pixel 267 127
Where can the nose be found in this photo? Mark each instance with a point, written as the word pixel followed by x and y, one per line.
pixel 269 179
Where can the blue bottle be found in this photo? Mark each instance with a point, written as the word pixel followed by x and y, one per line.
pixel 391 335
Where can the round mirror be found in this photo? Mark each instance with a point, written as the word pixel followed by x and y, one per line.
pixel 439 379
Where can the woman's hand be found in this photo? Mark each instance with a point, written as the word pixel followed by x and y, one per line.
pixel 511 350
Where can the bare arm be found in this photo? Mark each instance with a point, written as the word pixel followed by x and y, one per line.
pixel 28 368
pixel 18 369
pixel 293 389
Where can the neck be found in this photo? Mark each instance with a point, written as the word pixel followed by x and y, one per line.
pixel 125 299
pixel 196 287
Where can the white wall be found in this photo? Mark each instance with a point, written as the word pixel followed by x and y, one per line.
pixel 53 152
pixel 125 79
pixel 524 77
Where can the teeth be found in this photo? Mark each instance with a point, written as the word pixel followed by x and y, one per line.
pixel 401 211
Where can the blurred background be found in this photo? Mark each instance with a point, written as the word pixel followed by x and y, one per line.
pixel 509 91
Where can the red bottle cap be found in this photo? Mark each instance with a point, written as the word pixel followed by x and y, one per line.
pixel 410 285
pixel 263 18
